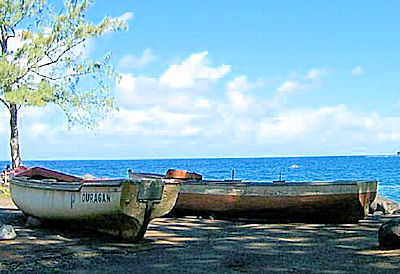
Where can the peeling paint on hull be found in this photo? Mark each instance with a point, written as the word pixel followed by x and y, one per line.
pixel 332 202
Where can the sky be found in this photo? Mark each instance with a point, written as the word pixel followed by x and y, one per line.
pixel 231 78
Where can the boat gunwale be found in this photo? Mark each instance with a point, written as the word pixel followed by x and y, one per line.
pixel 64 186
pixel 76 186
pixel 277 184
pixel 156 176
pixel 267 183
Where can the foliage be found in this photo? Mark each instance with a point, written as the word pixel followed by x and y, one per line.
pixel 4 192
pixel 42 59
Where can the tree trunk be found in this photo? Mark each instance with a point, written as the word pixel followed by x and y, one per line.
pixel 14 140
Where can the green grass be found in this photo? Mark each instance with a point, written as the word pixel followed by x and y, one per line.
pixel 4 192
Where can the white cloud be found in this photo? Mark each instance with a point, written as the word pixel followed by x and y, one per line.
pixel 38 129
pixel 38 113
pixel 132 61
pixel 202 104
pixel 170 110
pixel 190 131
pixel 193 69
pixel 4 119
pixel 149 122
pixel 172 91
pixel 238 100
pixel 127 16
pixel 131 91
pixel 316 73
pixel 292 87
pixel 287 89
pixel 297 86
pixel 241 83
pixel 357 71
pixel 325 125
pixel 126 84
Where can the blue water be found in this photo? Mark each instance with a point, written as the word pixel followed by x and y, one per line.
pixel 384 168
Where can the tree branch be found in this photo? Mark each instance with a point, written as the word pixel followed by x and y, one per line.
pixel 61 54
pixel 61 77
pixel 53 61
pixel 12 30
pixel 48 56
pixel 4 102
pixel 7 32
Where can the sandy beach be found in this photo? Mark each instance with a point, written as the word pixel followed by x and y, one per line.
pixel 200 245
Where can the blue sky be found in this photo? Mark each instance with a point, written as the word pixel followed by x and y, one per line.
pixel 236 79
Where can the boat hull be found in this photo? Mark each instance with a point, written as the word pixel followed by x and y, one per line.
pixel 121 208
pixel 334 202
pixel 79 202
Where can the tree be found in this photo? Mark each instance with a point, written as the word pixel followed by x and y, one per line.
pixel 42 62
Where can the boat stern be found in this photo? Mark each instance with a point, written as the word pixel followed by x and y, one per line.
pixel 367 191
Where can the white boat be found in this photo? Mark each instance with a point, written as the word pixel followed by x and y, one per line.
pixel 120 207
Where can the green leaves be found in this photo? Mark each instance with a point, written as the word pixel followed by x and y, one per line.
pixel 33 95
pixel 48 66
pixel 85 108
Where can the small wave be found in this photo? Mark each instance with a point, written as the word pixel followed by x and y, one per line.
pixel 294 166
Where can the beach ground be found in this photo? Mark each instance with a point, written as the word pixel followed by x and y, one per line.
pixel 200 245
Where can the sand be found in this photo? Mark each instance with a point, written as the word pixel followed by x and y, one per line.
pixel 200 245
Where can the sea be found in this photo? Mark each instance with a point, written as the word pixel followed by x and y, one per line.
pixel 385 169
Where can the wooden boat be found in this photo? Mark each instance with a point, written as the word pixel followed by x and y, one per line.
pixel 120 207
pixel 322 202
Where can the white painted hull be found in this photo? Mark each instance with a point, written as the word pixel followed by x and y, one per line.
pixel 62 204
pixel 119 207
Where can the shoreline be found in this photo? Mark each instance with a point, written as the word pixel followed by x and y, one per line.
pixel 201 245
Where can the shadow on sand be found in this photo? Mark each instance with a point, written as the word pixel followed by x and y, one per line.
pixel 201 245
